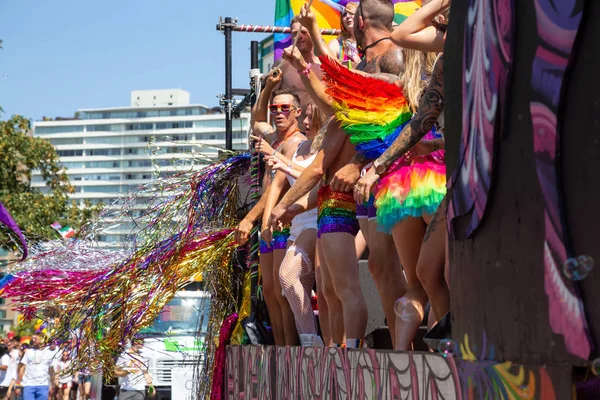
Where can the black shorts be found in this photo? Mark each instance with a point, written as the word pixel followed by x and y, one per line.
pixel 3 391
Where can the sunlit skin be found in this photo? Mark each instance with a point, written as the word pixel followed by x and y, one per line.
pixel 285 121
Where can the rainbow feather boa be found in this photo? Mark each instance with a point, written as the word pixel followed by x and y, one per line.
pixel 371 111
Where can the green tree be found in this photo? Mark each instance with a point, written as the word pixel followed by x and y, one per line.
pixel 35 210
pixel 24 328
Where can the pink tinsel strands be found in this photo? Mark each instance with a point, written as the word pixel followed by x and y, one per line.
pixel 45 286
pixel 221 357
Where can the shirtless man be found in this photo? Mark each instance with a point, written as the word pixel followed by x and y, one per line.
pixel 291 76
pixel 373 24
pixel 285 138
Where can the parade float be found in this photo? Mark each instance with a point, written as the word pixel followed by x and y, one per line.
pixel 522 142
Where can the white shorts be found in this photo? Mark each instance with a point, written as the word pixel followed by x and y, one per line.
pixel 306 220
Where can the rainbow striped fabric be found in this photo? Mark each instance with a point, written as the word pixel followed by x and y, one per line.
pixel 328 16
pixel 371 111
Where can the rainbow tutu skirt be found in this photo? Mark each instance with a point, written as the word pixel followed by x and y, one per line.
pixel 410 189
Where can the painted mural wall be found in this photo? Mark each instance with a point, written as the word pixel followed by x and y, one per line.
pixel 269 372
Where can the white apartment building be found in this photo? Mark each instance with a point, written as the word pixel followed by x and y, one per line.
pixel 109 151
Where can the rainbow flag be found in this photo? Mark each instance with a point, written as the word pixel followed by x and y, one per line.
pixel 328 16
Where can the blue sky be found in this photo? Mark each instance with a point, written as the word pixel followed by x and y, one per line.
pixel 63 55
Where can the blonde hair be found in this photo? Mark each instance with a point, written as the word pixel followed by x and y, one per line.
pixel 318 140
pixel 318 117
pixel 319 125
pixel 418 67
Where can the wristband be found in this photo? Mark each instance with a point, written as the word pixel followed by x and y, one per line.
pixel 306 72
pixel 274 152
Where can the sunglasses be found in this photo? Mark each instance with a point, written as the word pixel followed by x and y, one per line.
pixel 283 108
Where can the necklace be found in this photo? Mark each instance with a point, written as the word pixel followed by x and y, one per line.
pixel 277 143
pixel 364 51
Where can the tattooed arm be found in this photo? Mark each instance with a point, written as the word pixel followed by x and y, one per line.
pixel 430 108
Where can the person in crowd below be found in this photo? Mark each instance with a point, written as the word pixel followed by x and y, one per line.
pixel 5 376
pixel 344 48
pixel 62 379
pixel 296 273
pixel 285 137
pixel 33 377
pixel 54 350
pixel 421 34
pixel 14 347
pixel 291 78
pixel 132 369
pixel 84 380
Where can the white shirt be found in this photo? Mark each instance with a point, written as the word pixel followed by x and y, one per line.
pixel 60 367
pixel 133 380
pixel 37 367
pixel 5 376
pixel 15 354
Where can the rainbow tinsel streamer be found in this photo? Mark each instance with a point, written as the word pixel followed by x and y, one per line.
pixel 371 111
pixel 101 298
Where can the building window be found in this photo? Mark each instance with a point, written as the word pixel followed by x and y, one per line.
pixel 106 128
pixel 44 130
pixel 138 127
pixel 69 153
pixel 2 314
pixel 58 142
pixel 98 152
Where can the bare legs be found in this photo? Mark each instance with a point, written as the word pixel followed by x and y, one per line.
pixel 430 267
pixel 386 271
pixel 343 271
pixel 335 309
pixel 408 235
pixel 290 335
pixel 321 299
pixel 266 268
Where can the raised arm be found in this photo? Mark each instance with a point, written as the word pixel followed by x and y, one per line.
pixel 307 19
pixel 417 32
pixel 312 83
pixel 260 111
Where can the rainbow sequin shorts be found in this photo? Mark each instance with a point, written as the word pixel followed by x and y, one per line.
pixel 337 212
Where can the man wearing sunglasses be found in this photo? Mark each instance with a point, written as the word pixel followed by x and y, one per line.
pixel 284 109
pixel 342 166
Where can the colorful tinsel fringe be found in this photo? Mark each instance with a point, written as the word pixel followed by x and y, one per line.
pixel 101 298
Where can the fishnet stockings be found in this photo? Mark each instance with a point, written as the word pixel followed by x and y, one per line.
pixel 297 278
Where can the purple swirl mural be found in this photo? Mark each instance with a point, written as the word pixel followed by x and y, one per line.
pixel 487 64
pixel 557 25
